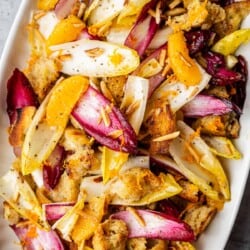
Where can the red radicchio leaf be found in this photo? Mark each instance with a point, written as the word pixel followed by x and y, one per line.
pixel 240 94
pixel 157 226
pixel 19 94
pixel 143 30
pixel 216 67
pixel 88 112
pixel 63 8
pixel 168 207
pixel 198 40
pixel 52 170
pixel 33 238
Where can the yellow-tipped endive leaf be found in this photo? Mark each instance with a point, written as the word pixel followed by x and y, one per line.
pixel 106 11
pixel 201 152
pixel 112 161
pixel 94 187
pixel 187 165
pixel 222 146
pixel 230 43
pixel 131 8
pixel 103 59
pixel 50 121
pixel 67 223
pixel 168 188
pixel 17 192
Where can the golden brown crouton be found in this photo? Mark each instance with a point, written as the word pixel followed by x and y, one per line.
pixel 42 73
pixel 137 244
pixel 189 192
pixel 180 245
pixel 110 235
pixel 116 86
pixel 146 244
pixel 80 156
pixel 135 183
pixel 224 125
pixel 235 13
pixel 66 190
pixel 198 216
pixel 160 122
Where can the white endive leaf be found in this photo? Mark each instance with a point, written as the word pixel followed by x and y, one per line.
pixel 106 11
pixel 177 93
pixel 135 100
pixel 17 192
pixel 96 58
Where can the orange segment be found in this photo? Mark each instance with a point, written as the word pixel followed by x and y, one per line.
pixel 46 4
pixel 66 30
pixel 184 67
pixel 63 99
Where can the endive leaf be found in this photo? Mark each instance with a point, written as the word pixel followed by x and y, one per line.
pixel 222 146
pixel 204 180
pixel 112 162
pixel 50 121
pixel 201 152
pixel 17 192
pixel 67 223
pixel 104 59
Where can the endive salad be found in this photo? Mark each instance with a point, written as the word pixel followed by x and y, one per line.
pixel 120 120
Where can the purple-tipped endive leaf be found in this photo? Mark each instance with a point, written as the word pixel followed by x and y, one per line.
pixel 156 225
pixel 102 120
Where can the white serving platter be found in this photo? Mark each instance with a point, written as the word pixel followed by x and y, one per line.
pixel 15 54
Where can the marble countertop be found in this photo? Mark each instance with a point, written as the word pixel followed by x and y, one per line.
pixel 240 235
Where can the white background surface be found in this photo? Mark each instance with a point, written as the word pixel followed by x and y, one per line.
pixel 240 236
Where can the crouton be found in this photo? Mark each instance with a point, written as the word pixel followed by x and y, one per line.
pixel 198 216
pixel 110 235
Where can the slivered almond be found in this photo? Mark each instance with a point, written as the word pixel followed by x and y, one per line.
pixel 105 117
pixel 95 52
pixel 39 14
pixel 174 4
pixel 65 57
pixel 158 12
pixel 167 68
pixel 176 11
pixel 167 137
pixel 106 91
pixel 116 133
pixel 137 216
pixel 162 57
pixel 77 25
pixel 81 10
pixel 151 13
pixel 185 60
pixel 132 107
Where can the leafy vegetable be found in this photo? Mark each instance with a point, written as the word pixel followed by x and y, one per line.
pixel 50 121
pixel 104 122
pixel 20 94
pixel 103 59
pixel 33 237
pixel 203 105
pixel 230 43
pixel 151 224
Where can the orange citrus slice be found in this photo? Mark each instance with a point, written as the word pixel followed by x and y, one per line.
pixel 184 67
pixel 63 99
